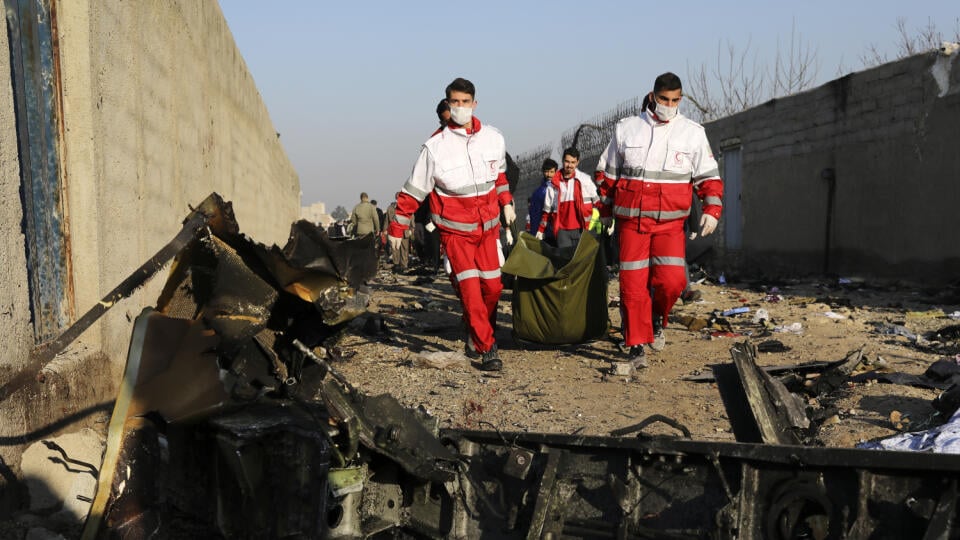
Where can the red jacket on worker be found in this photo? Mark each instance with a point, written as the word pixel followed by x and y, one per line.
pixel 464 174
pixel 568 202
pixel 645 176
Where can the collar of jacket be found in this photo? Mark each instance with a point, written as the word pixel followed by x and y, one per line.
pixel 557 178
pixel 474 127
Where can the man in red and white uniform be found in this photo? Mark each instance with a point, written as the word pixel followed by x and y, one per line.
pixel 569 202
pixel 462 169
pixel 652 164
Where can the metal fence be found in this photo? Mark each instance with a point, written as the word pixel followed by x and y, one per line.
pixel 591 139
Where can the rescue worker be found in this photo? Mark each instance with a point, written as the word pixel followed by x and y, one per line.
pixel 569 202
pixel 462 169
pixel 364 218
pixel 535 202
pixel 651 166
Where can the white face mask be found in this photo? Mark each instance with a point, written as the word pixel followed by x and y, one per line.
pixel 461 116
pixel 665 113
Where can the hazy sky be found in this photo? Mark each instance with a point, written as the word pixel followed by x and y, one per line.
pixel 352 86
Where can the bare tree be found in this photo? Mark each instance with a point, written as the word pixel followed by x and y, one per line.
pixel 741 79
pixel 909 42
pixel 795 70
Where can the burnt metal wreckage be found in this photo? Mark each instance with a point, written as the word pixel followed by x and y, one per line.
pixel 232 423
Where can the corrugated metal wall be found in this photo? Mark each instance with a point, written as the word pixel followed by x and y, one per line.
pixel 36 89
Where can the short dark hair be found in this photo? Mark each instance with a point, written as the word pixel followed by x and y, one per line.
pixel 572 152
pixel 442 107
pixel 373 202
pixel 548 164
pixel 461 85
pixel 667 81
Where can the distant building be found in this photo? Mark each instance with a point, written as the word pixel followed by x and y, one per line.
pixel 316 213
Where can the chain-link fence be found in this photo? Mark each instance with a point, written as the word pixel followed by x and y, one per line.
pixel 591 139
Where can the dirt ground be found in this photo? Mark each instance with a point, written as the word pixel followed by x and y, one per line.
pixel 418 357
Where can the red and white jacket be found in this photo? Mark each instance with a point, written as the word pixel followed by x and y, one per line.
pixel 568 202
pixel 464 174
pixel 650 168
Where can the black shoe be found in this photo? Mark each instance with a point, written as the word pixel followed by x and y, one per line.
pixel 638 358
pixel 491 361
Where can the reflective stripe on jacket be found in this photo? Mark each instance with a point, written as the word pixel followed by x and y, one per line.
pixel 650 168
pixel 464 174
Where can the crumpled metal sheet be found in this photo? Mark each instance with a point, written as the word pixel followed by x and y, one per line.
pixel 218 360
pixel 388 428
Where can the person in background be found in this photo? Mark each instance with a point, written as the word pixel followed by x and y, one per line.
pixel 535 202
pixel 651 168
pixel 364 218
pixel 426 239
pixel 443 115
pixel 462 169
pixel 382 234
pixel 569 202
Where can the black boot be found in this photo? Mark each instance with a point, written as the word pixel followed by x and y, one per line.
pixel 491 360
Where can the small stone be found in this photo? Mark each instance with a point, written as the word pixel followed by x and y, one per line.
pixel 622 368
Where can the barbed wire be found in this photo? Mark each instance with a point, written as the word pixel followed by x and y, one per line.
pixel 595 134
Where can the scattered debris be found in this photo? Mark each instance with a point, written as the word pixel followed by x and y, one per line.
pixel 779 414
pixel 894 330
pixel 805 368
pixel 943 439
pixel 771 346
pixel 792 328
pixel 837 375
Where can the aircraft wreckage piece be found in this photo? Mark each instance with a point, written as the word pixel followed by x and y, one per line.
pixel 605 487
pixel 289 468
pixel 220 347
pixel 212 213
pixel 327 462
pixel 760 407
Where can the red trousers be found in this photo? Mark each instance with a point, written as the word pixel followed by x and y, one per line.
pixel 651 259
pixel 475 264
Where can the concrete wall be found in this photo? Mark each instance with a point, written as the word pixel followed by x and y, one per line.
pixel 14 297
pixel 159 110
pixel 890 135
